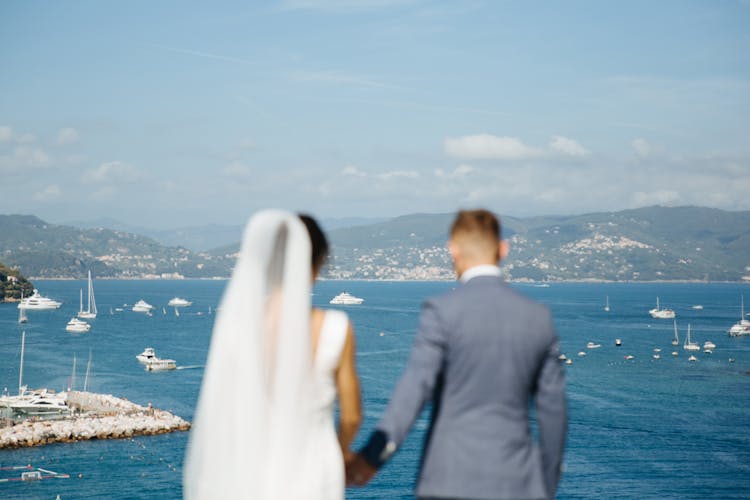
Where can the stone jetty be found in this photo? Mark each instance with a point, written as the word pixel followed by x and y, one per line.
pixel 93 416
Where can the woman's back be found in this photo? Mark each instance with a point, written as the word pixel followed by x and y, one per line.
pixel 327 458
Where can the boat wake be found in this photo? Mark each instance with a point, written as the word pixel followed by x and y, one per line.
pixel 191 367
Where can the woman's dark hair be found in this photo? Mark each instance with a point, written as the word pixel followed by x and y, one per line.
pixel 318 242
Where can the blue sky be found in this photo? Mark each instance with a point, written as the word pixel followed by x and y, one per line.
pixel 171 114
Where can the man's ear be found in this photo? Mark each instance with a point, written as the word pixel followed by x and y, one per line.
pixel 454 249
pixel 503 247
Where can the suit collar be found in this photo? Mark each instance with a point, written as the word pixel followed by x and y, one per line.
pixel 483 270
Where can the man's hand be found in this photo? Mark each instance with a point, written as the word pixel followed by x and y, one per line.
pixel 358 471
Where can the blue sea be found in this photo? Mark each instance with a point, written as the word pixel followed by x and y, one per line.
pixel 641 428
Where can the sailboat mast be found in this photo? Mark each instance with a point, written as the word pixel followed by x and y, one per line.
pixel 20 370
pixel 86 380
pixel 80 307
pixel 73 377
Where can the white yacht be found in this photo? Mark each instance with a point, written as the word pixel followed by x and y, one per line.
pixel 40 403
pixel 592 345
pixel 659 313
pixel 142 307
pixel 742 327
pixel 153 363
pixel 90 312
pixel 38 303
pixel 345 298
pixel 147 355
pixel 178 302
pixel 708 346
pixel 159 364
pixel 688 345
pixel 76 325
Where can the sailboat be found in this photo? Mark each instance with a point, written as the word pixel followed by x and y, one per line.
pixel 86 380
pixel 22 318
pixel 659 313
pixel 742 327
pixel 688 345
pixel 90 312
pixel 676 340
pixel 606 307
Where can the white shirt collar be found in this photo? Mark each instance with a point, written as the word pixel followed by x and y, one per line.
pixel 481 270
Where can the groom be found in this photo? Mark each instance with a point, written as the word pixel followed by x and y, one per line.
pixel 481 354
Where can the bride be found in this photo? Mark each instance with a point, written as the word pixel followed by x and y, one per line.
pixel 264 426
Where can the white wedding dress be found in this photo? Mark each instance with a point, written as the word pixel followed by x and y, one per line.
pixel 263 426
pixel 323 439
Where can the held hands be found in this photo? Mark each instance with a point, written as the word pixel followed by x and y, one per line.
pixel 358 471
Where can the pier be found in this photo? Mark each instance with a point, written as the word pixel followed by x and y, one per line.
pixel 93 416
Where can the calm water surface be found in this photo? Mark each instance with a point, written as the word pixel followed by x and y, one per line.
pixel 643 428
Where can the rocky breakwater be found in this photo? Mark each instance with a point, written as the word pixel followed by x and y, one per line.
pixel 93 416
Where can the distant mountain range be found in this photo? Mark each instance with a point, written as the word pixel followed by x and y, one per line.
pixel 206 237
pixel 653 243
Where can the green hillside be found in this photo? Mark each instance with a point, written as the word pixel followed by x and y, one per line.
pixel 46 250
pixel 13 285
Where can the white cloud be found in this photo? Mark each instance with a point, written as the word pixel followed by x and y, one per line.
pixel 113 172
pixel 6 133
pixel 352 170
pixel 238 169
pixel 568 146
pixel 66 135
pixel 642 147
pixel 32 157
pixel 487 146
pixel 396 174
pixel 49 193
pixel 460 171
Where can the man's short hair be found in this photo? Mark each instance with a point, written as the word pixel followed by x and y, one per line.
pixel 480 224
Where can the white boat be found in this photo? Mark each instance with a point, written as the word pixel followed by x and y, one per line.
pixel 38 303
pixel 618 342
pixel 742 327
pixel 345 298
pixel 178 302
pixel 90 312
pixel 708 346
pixel 676 339
pixel 147 355
pixel 153 363
pixel 40 402
pixel 659 313
pixel 158 365
pixel 606 307
pixel 562 357
pixel 697 307
pixel 142 307
pixel 76 325
pixel 675 353
pixel 688 345
pixel 582 353
pixel 592 345
pixel 629 357
pixel 657 356
pixel 692 358
pixel 568 361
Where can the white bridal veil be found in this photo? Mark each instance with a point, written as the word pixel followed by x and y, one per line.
pixel 248 438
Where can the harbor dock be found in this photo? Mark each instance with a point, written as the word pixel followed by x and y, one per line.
pixel 93 416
